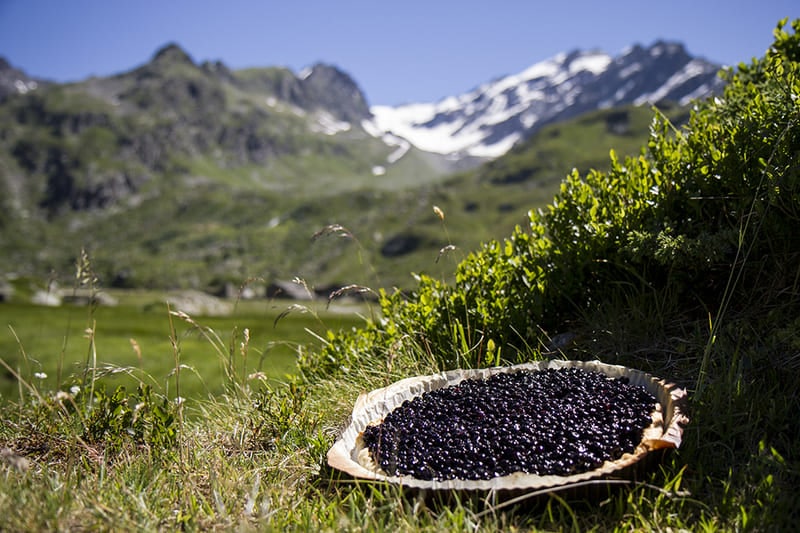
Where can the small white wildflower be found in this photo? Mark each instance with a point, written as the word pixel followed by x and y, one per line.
pixel 257 375
pixel 75 390
pixel 179 400
pixel 40 375
pixel 7 455
pixel 61 396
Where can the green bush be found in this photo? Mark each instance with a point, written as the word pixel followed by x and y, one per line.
pixel 707 212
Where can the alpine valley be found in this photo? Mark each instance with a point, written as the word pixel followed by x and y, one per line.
pixel 184 175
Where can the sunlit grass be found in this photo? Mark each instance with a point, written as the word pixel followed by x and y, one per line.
pixel 49 345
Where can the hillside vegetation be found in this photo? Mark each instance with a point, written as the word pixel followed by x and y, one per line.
pixel 683 261
pixel 157 171
pixel 225 228
pixel 178 175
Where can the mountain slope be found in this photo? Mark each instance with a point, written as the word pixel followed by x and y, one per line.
pixel 103 141
pixel 206 233
pixel 488 120
pixel 176 174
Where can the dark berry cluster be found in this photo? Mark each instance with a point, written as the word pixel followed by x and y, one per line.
pixel 557 422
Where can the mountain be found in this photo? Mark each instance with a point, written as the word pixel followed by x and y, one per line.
pixel 179 174
pixel 485 122
pixel 99 142
pixel 14 81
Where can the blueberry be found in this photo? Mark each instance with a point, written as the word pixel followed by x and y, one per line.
pixel 546 422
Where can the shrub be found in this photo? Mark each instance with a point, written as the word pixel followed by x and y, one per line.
pixel 707 211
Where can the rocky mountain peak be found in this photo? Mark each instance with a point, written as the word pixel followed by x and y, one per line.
pixel 487 121
pixel 218 69
pixel 172 53
pixel 665 54
pixel 336 91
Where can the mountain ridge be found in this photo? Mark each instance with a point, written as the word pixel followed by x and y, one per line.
pixel 488 120
pixel 479 124
pixel 92 143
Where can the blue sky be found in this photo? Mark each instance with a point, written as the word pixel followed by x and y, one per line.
pixel 397 51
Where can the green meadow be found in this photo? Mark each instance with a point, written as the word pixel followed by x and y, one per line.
pixel 142 339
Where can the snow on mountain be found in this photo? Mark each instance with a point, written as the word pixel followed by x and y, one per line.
pixel 15 81
pixel 488 120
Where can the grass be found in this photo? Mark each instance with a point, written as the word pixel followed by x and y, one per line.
pixel 133 340
pixel 253 459
pixel 249 454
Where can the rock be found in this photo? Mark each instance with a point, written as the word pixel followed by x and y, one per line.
pixel 6 291
pixel 86 297
pixel 15 81
pixel 196 303
pixel 16 461
pixel 48 298
pixel 335 91
pixel 172 53
pixel 289 290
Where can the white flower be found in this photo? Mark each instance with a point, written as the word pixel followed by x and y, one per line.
pixel 75 390
pixel 40 375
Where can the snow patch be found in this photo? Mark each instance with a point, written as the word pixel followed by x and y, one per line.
pixel 327 124
pixel 596 63
pixel 459 124
pixel 402 148
pixel 497 149
pixel 371 128
pixel 630 70
pixel 405 121
pixel 701 91
pixel 543 69
pixel 402 145
pixel 692 69
pixel 23 88
pixel 507 107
